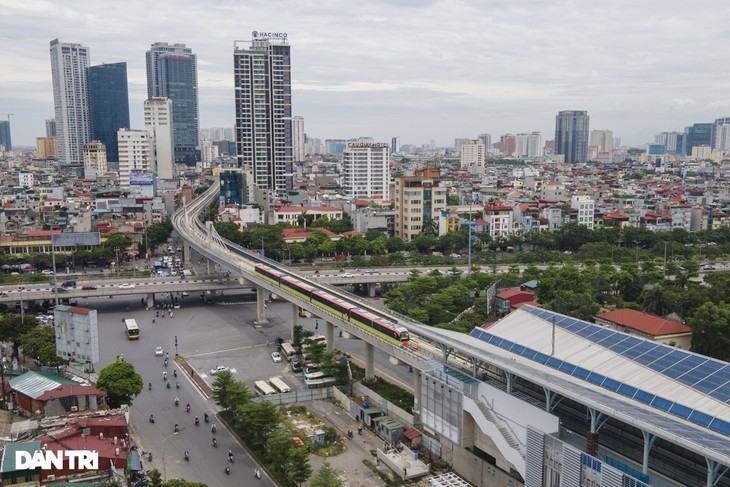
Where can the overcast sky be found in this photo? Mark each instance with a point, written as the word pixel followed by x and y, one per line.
pixel 419 69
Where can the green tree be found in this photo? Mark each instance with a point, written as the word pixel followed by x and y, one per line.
pixel 182 483
pixel 279 446
pixel 121 382
pixel 155 478
pixel 122 241
pixel 229 393
pixel 577 305
pixel 12 326
pixel 299 334
pixel 256 420
pixel 326 476
pixel 31 341
pixel 299 467
pixel 711 330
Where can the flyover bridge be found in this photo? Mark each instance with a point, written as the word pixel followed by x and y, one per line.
pixel 703 452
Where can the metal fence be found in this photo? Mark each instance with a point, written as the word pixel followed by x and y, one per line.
pixel 303 395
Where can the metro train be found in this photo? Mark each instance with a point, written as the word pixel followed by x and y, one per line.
pixel 346 310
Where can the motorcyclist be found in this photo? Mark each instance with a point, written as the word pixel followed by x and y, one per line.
pixel 149 386
pixel 164 375
pixel 197 421
pixel 168 385
pixel 230 456
pixel 212 428
pixel 206 418
pixel 187 408
pixel 177 402
pixel 187 455
pixel 257 473
pixel 176 429
pixel 215 442
pixel 152 418
pixel 228 470
pixel 174 372
pixel 177 385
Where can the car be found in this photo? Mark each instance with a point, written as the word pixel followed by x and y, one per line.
pixel 348 274
pixel 159 352
pixel 60 289
pixel 185 293
pixel 218 369
pixel 708 267
pixel 126 285
pixel 47 272
pixel 88 288
pixel 276 357
pixel 296 366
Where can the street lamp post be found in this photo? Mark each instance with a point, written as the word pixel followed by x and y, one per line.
pixel 22 308
pixel 55 283
pixel 116 252
pixel 468 263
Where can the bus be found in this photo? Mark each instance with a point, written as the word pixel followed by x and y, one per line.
pixel 287 350
pixel 316 380
pixel 279 385
pixel 132 329
pixel 263 389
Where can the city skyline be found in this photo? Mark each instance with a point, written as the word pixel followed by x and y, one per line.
pixel 419 70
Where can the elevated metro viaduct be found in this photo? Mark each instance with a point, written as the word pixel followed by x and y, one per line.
pixel 529 400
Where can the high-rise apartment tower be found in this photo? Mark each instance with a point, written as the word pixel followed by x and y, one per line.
pixel 262 83
pixel 69 63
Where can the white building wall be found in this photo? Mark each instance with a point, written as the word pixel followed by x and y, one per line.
pixel 586 210
pixel 158 123
pixel 366 170
pixel 134 153
pixel 298 145
pixel 473 154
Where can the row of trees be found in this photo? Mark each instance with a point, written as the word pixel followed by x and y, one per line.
pixel 266 433
pixel 451 301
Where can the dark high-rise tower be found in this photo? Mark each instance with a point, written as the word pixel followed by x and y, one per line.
pixel 5 140
pixel 571 135
pixel 172 72
pixel 108 105
pixel 262 83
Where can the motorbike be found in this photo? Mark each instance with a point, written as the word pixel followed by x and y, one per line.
pixel 228 470
pixel 177 385
pixel 187 456
pixel 149 386
pixel 215 443
pixel 176 429
pixel 257 473
pixel 206 418
pixel 174 373
pixel 177 402
pixel 212 429
pixel 197 421
pixel 168 385
pixel 349 433
pixel 187 408
pixel 230 456
pixel 152 418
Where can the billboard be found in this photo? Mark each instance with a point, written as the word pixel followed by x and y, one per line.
pixel 140 178
pixel 75 238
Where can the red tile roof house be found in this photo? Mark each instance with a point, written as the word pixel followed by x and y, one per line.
pixel 647 326
pixel 512 299
pixel 51 394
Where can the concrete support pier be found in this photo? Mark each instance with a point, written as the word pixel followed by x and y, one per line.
pixel 150 300
pixel 330 334
pixel 369 360
pixel 261 306
pixel 294 318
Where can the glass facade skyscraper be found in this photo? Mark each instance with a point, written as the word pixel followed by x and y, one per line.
pixel 108 105
pixel 5 140
pixel 262 83
pixel 172 72
pixel 571 135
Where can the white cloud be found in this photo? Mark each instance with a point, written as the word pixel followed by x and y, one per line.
pixel 421 69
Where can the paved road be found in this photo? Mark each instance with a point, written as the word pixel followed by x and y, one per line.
pixel 192 325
